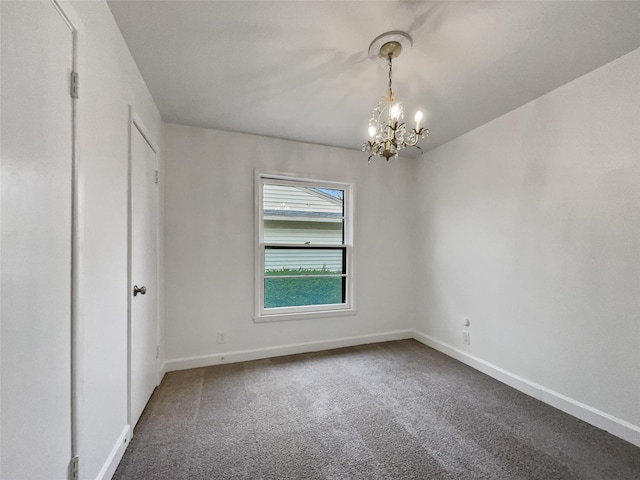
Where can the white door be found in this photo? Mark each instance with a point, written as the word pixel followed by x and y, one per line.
pixel 144 273
pixel 36 156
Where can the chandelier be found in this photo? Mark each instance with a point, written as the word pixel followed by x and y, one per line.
pixel 387 131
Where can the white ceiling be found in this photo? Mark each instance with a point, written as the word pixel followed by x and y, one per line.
pixel 299 70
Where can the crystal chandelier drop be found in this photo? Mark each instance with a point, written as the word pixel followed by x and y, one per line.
pixel 387 131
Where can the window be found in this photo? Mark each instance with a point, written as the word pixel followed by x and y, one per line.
pixel 303 248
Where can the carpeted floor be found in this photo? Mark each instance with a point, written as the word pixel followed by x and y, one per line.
pixel 394 410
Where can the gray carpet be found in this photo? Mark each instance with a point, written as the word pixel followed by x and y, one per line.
pixel 394 410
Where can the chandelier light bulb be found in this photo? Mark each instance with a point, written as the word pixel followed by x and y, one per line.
pixel 372 131
pixel 418 119
pixel 395 111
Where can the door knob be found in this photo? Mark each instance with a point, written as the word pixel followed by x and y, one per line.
pixel 140 290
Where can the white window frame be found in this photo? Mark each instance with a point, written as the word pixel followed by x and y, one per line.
pixel 263 314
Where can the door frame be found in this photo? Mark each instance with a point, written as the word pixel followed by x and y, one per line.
pixel 74 23
pixel 135 123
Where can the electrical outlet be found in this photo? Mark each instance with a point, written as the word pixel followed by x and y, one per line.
pixel 466 338
pixel 222 337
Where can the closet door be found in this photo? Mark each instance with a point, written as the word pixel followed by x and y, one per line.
pixel 35 241
pixel 143 332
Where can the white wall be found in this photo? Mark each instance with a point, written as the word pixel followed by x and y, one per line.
pixel 109 82
pixel 209 242
pixel 530 227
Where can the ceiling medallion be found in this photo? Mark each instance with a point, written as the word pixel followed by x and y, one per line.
pixel 387 130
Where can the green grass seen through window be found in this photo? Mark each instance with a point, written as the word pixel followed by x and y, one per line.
pixel 288 292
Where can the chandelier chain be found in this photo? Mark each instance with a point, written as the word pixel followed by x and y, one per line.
pixel 390 89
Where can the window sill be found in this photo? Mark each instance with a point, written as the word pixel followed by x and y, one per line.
pixel 282 317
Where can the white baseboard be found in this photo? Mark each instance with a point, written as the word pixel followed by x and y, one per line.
pixel 113 460
pixel 269 352
pixel 616 426
pixel 162 372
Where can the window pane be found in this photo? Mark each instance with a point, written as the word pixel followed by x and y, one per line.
pixel 289 292
pixel 303 261
pixel 286 200
pixel 291 202
pixel 303 215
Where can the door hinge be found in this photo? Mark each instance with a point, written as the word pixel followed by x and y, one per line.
pixel 157 175
pixel 75 80
pixel 74 468
pixel 157 352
